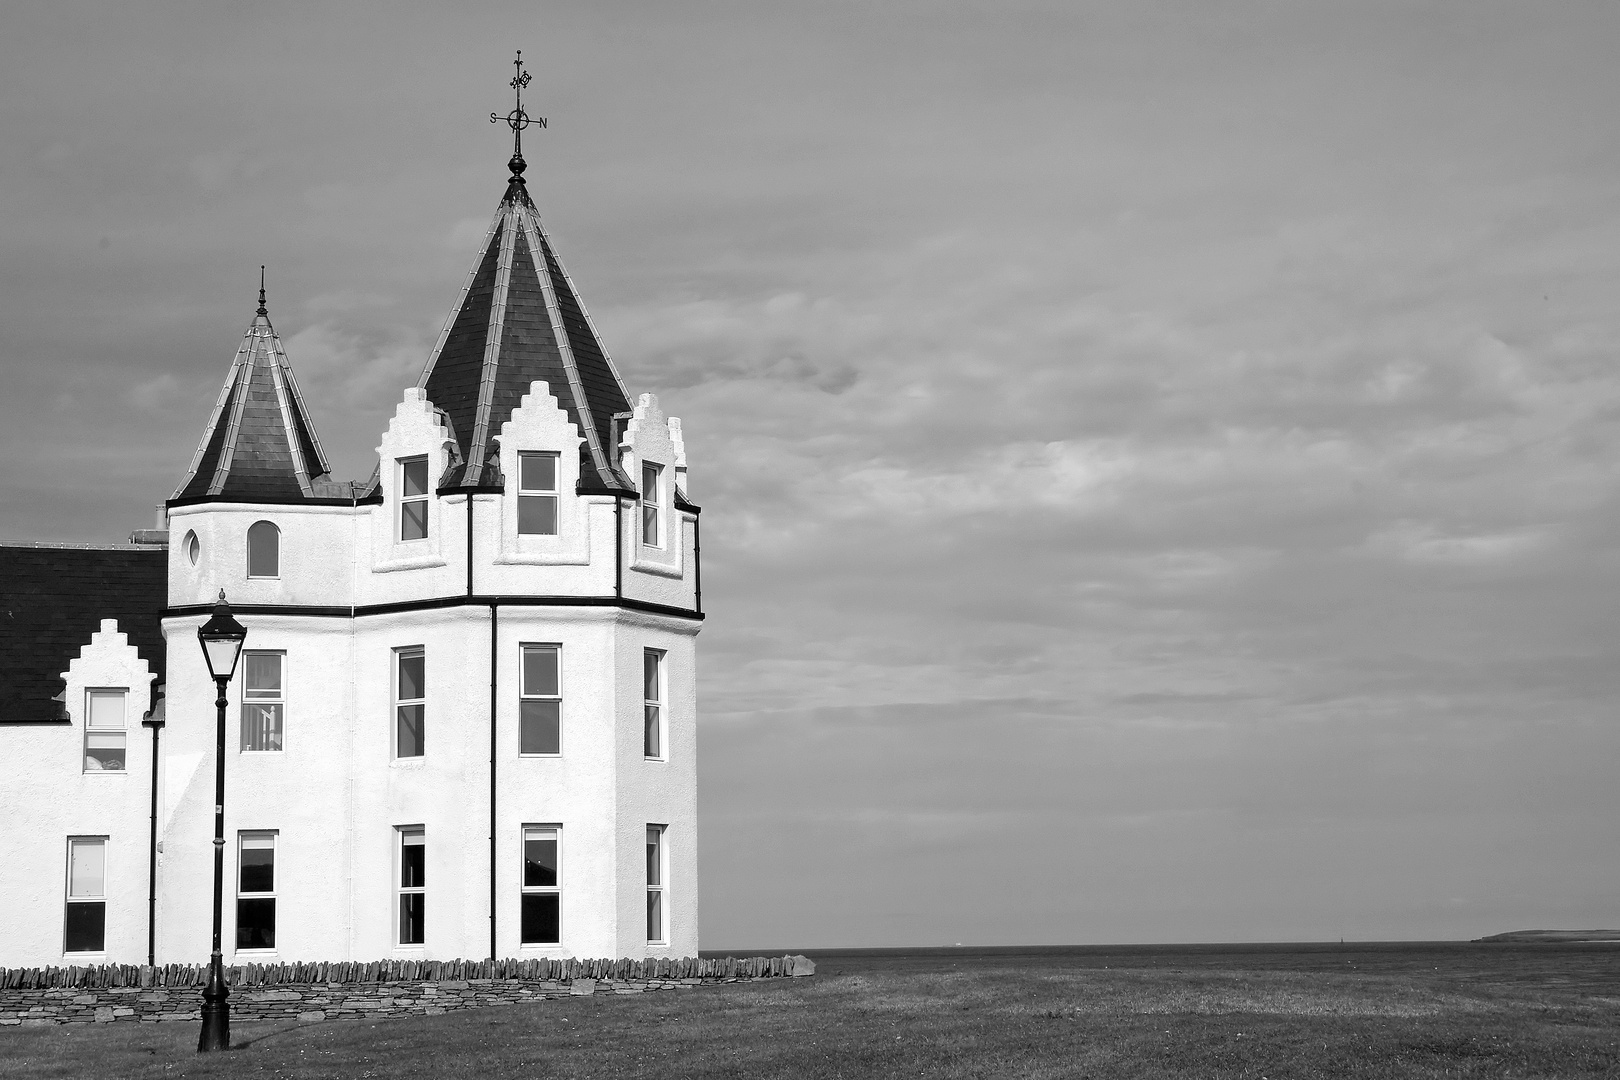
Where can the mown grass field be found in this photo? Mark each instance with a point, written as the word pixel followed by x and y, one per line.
pixel 1215 1012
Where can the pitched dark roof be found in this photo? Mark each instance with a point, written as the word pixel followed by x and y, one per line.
pixel 53 598
pixel 519 319
pixel 259 445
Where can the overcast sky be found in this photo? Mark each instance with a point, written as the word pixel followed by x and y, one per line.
pixel 1158 459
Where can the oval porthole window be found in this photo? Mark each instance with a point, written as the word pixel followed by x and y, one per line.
pixel 193 547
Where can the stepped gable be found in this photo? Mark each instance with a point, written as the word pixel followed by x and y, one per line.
pixel 53 597
pixel 259 445
pixel 519 319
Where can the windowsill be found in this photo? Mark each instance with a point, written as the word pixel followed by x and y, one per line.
pixel 86 957
pixel 256 753
pixel 253 954
pixel 662 760
pixel 253 577
pixel 412 562
pixel 541 757
pixel 651 561
pixel 105 772
pixel 413 760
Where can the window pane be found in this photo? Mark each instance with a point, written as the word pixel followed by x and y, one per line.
pixel 412 676
pixel 537 472
pixel 106 709
pixel 193 548
pixel 540 727
pixel 411 736
pixel 540 860
pixel 652 740
pixel 261 726
pixel 649 674
pixel 258 870
pixel 264 550
pixel 412 860
pixel 262 670
pixel 540 672
pixel 649 524
pixel 649 483
pixel 412 918
pixel 104 751
pixel 87 862
pixel 413 519
pixel 542 919
pixel 537 515
pixel 256 923
pixel 655 864
pixel 414 477
pixel 655 915
pixel 86 929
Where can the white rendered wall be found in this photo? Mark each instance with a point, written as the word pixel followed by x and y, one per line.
pixel 49 797
pixel 336 795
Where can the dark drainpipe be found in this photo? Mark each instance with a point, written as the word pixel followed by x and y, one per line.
pixel 494 628
pixel 156 724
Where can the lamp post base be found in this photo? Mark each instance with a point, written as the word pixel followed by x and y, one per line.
pixel 216 1011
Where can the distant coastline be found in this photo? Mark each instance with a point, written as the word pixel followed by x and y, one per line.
pixel 1554 935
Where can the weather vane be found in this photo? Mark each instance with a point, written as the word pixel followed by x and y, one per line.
pixel 517 119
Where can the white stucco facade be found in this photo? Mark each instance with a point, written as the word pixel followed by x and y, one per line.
pixel 334 796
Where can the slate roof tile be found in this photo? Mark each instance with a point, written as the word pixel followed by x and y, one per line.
pixel 52 598
pixel 504 335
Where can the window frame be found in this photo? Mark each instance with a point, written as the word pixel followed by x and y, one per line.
pixel 524 695
pixel 409 836
pixel 399 655
pixel 657 883
pixel 553 493
pixel 91 728
pixel 87 899
pixel 257 896
pixel 654 709
pixel 275 531
pixel 526 890
pixel 652 505
pixel 408 499
pixel 278 699
pixel 192 546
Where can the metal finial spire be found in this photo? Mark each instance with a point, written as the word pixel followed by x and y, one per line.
pixel 517 120
pixel 262 309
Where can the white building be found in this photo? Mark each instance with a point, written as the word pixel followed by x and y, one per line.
pixel 464 723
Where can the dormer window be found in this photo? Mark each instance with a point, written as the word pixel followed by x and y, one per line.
pixel 413 498
pixel 537 494
pixel 264 550
pixel 652 501
pixel 104 730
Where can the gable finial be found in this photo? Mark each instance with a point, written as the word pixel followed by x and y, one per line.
pixel 517 120
pixel 262 309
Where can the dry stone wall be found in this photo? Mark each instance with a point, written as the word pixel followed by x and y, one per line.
pixel 104 993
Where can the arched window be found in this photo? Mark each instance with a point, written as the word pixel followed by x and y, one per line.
pixel 193 547
pixel 264 550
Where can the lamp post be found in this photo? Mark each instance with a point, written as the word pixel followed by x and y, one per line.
pixel 221 638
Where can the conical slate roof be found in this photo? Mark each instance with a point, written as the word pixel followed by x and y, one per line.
pixel 259 445
pixel 518 320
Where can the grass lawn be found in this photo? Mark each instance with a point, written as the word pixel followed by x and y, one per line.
pixel 1114 1016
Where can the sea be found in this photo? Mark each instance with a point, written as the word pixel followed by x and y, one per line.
pixel 1584 967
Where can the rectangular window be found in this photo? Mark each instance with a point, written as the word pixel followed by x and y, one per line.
pixel 412 886
pixel 85 923
pixel 410 709
pixel 652 483
pixel 262 700
pixel 104 734
pixel 542 885
pixel 656 927
pixel 537 494
pixel 413 498
pixel 652 678
pixel 540 707
pixel 256 891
